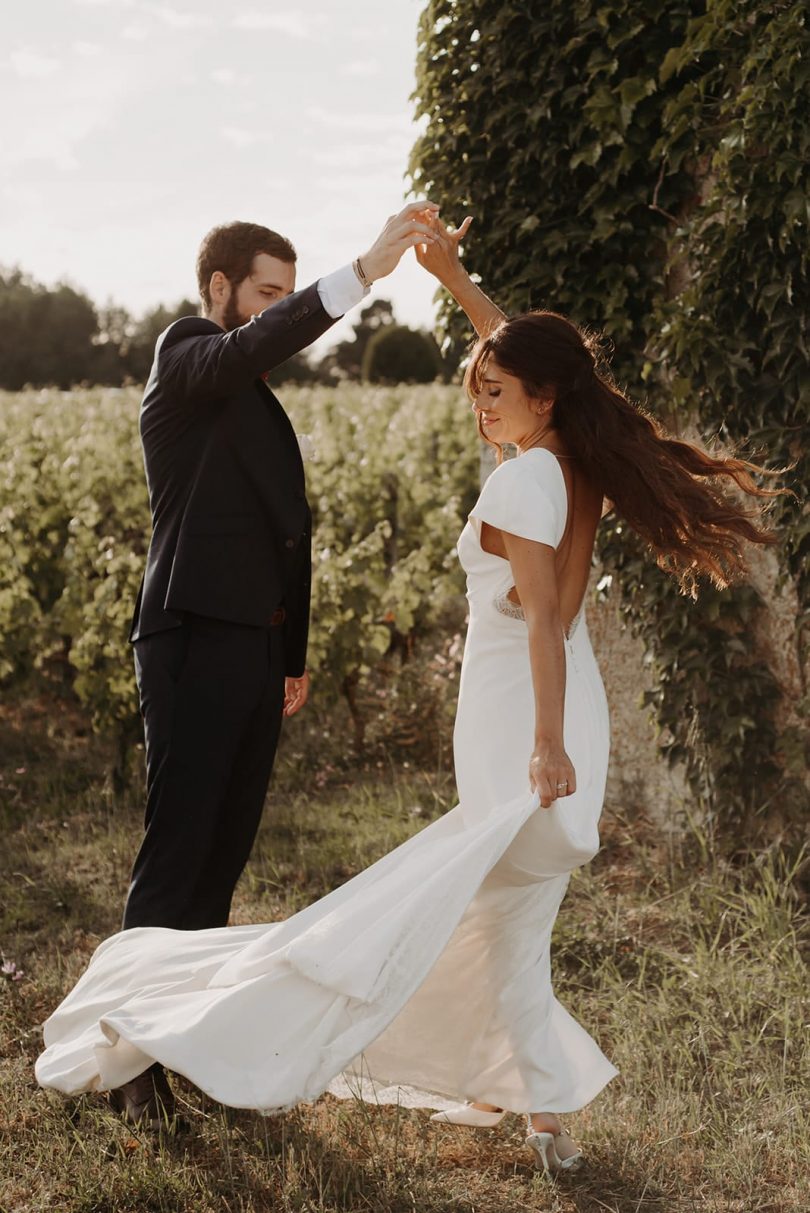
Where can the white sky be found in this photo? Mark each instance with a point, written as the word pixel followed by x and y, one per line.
pixel 130 127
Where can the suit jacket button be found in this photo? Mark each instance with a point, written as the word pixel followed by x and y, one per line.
pixel 290 543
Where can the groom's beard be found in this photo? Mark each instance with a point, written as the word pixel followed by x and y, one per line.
pixel 232 317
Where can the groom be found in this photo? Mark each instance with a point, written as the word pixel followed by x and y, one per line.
pixel 221 618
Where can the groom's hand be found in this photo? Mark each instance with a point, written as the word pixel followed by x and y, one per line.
pixel 403 231
pixel 296 693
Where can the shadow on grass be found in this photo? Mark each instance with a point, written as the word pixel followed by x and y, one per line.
pixel 602 1186
pixel 341 1157
pixel 49 760
pixel 234 1159
pixel 39 904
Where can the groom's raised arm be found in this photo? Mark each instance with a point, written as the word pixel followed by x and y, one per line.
pixel 200 363
pixel 195 361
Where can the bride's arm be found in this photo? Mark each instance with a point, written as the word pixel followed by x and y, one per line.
pixel 442 260
pixel 534 573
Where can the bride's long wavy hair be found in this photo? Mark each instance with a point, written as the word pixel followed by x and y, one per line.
pixel 672 493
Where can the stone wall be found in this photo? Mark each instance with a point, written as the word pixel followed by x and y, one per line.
pixel 639 777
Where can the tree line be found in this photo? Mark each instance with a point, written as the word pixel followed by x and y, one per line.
pixel 57 337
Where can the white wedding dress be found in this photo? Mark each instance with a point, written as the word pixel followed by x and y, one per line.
pixel 425 978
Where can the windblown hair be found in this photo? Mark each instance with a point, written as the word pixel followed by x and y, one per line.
pixel 231 248
pixel 674 494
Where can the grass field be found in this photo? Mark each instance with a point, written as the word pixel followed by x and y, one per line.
pixel 688 973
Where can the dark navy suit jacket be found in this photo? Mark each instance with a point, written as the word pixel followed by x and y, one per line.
pixel 230 520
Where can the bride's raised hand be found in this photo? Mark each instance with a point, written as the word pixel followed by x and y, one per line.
pixel 441 258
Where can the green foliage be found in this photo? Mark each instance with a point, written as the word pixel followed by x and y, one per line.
pixel 643 167
pixel 737 331
pixel 73 542
pixel 541 126
pixel 397 354
pixel 394 479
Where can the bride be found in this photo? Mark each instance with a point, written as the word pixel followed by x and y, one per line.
pixel 430 970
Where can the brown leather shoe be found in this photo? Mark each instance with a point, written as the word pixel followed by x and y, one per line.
pixel 145 1100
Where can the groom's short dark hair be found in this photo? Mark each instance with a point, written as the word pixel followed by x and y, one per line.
pixel 231 247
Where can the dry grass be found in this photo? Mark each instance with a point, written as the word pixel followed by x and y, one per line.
pixel 688 972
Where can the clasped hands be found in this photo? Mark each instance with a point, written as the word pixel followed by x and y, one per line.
pixel 419 227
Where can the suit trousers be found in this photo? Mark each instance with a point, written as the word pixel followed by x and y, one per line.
pixel 211 696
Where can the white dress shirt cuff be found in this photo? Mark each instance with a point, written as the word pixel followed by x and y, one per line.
pixel 341 291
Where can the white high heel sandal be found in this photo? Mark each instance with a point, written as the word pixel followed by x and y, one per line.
pixel 544 1145
pixel 466 1114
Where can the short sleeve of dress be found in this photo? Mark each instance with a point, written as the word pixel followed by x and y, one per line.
pixel 526 496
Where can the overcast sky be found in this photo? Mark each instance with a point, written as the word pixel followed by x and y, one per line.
pixel 130 127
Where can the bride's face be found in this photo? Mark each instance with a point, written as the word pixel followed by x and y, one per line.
pixel 505 413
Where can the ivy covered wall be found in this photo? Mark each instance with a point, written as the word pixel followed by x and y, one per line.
pixel 642 166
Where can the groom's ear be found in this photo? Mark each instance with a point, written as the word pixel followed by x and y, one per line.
pixel 219 288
